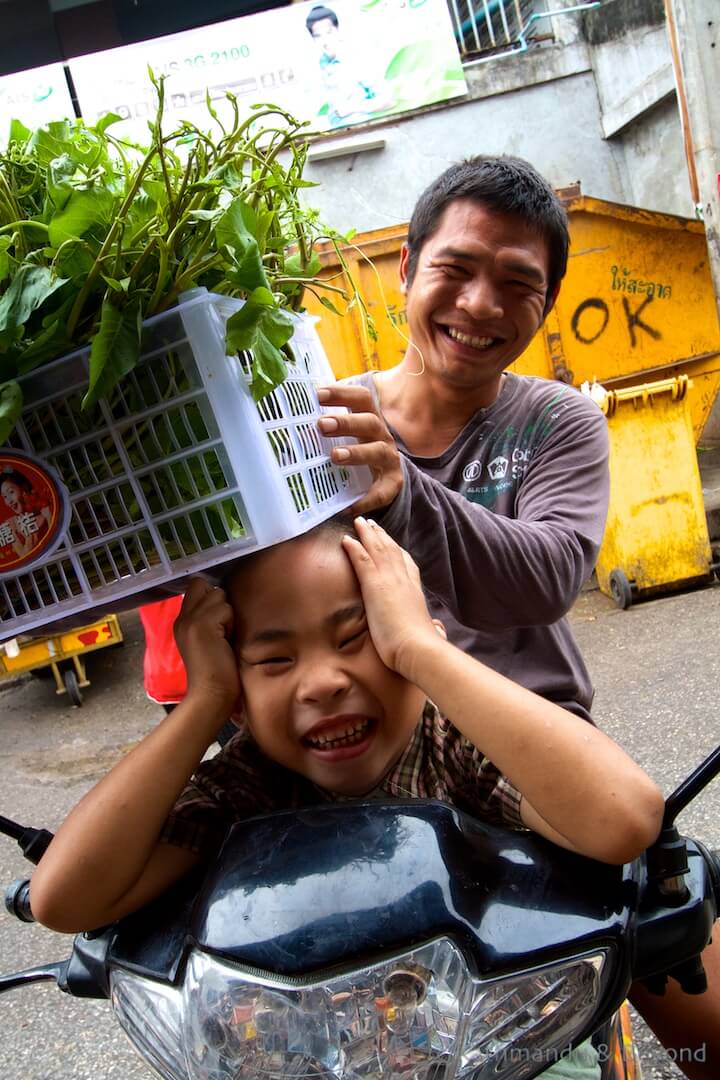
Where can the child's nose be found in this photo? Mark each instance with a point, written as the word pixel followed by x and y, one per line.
pixel 322 681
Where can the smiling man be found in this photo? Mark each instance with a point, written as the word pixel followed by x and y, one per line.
pixel 497 483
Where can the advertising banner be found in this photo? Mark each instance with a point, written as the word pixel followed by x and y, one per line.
pixel 34 97
pixel 332 65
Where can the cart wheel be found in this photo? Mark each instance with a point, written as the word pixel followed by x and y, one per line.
pixel 620 589
pixel 71 685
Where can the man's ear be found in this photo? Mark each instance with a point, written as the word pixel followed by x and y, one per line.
pixel 440 627
pixel 551 302
pixel 404 261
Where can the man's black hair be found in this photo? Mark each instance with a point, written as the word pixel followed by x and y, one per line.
pixel 317 14
pixel 507 184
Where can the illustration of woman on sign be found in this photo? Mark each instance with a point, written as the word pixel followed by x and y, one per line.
pixel 30 516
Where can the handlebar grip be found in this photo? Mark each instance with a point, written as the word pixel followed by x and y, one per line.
pixel 17 900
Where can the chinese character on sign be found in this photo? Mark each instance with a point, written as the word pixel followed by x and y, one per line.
pixel 7 536
pixel 27 523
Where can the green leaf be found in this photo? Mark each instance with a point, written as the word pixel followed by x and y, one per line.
pixel 5 259
pixel 254 318
pixel 155 190
pixel 49 344
pixel 86 214
pixel 263 330
pixel 51 141
pixel 269 368
pixel 105 121
pixel 203 215
pixel 11 402
pixel 115 349
pixel 237 226
pixel 18 132
pixel 74 260
pixel 30 288
pixel 60 173
pixel 295 267
pixel 120 286
pixel 235 230
pixel 329 305
pixel 263 297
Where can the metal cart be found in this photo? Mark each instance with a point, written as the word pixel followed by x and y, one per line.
pixel 62 653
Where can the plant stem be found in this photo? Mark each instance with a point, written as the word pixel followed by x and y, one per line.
pixel 107 244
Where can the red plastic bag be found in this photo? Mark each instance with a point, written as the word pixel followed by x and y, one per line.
pixel 165 678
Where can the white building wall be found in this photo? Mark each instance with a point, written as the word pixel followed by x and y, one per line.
pixel 603 114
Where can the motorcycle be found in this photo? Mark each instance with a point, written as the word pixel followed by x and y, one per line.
pixel 368 939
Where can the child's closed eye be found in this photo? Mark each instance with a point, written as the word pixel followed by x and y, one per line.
pixel 356 638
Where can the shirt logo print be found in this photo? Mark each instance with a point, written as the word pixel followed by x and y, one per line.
pixel 498 468
pixel 472 471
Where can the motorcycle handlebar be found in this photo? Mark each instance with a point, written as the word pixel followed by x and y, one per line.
pixel 17 900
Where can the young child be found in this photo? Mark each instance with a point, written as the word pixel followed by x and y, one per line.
pixel 334 666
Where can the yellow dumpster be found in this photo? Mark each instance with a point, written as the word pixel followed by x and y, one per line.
pixel 637 304
pixel 656 538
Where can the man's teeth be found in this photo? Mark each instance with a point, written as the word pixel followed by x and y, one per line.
pixel 352 734
pixel 470 339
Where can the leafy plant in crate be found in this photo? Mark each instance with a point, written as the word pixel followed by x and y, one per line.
pixel 99 236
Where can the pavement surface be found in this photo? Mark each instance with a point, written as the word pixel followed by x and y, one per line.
pixel 656 668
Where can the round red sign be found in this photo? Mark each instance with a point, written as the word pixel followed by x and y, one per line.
pixel 34 510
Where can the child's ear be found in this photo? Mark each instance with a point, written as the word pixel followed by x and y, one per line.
pixel 238 714
pixel 440 627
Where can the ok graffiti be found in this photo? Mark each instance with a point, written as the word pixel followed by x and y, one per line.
pixel 633 319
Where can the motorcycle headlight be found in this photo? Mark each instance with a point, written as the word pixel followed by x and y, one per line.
pixel 418 1016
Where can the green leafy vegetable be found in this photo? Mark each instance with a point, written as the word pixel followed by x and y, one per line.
pixel 115 348
pixel 98 234
pixel 11 402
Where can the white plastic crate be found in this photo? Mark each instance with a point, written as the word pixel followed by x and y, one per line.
pixel 178 472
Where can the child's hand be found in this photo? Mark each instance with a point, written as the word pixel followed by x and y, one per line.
pixel 395 606
pixel 202 631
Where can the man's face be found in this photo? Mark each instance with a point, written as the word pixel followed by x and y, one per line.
pixel 317 697
pixel 477 297
pixel 327 37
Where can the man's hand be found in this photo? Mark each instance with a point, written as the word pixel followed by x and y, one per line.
pixel 397 615
pixel 375 445
pixel 202 630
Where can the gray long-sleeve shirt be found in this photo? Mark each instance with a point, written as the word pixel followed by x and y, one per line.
pixel 505 526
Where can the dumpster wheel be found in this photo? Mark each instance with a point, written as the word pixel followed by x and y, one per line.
pixel 620 589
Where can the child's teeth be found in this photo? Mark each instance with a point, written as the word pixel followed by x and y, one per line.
pixel 351 734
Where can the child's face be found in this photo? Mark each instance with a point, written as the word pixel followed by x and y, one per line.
pixel 318 698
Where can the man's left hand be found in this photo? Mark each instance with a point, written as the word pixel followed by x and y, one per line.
pixel 375 445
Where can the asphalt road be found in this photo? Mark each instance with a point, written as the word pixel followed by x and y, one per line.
pixel 656 669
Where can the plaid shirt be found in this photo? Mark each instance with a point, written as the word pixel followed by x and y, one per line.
pixel 240 782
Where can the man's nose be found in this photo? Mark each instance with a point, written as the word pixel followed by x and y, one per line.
pixel 481 299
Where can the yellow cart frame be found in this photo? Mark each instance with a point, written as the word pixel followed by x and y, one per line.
pixel 30 654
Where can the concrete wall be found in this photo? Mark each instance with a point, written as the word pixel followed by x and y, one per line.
pixel 655 169
pixel 598 106
pixel 555 125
